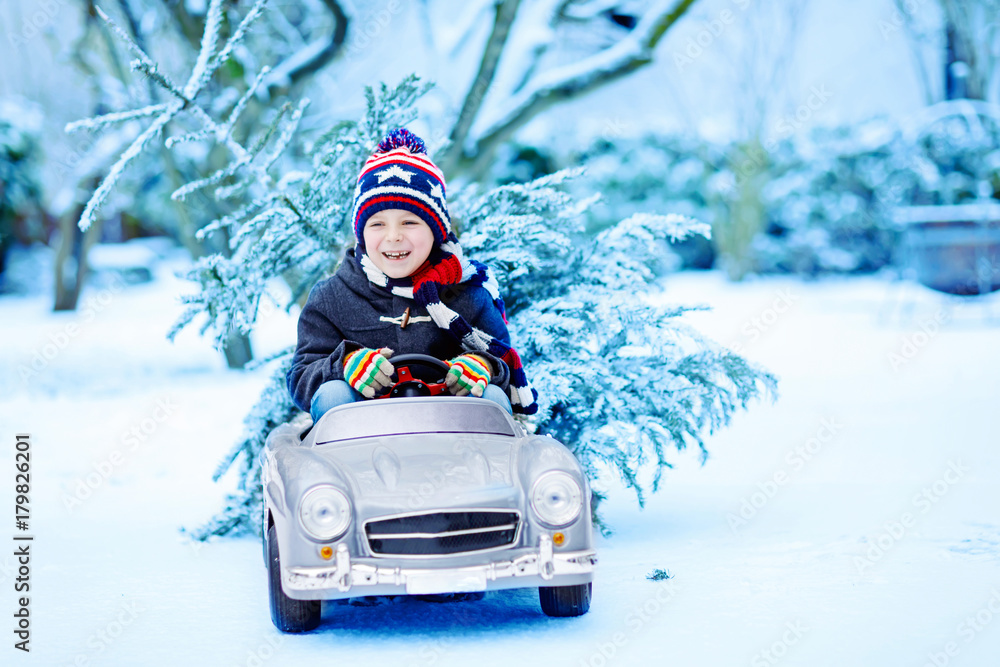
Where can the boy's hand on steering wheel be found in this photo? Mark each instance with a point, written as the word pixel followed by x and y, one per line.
pixel 368 370
pixel 469 374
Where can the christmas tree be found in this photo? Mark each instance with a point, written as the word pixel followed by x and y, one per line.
pixel 622 380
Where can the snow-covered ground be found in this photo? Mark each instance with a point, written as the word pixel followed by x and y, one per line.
pixel 856 521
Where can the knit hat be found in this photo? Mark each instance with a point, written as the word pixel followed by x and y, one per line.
pixel 401 175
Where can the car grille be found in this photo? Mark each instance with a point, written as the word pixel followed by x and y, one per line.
pixel 442 533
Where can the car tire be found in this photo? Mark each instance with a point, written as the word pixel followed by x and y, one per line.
pixel 563 601
pixel 287 614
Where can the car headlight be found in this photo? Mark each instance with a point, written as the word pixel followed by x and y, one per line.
pixel 557 498
pixel 325 512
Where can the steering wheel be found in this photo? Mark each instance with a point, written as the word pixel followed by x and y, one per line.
pixel 417 375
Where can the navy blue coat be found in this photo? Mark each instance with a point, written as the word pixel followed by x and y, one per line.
pixel 348 311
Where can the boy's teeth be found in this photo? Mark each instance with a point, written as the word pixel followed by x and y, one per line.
pixel 395 255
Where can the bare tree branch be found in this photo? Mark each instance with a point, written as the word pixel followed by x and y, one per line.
pixel 538 51
pixel 314 56
pixel 506 10
pixel 572 81
pixel 916 39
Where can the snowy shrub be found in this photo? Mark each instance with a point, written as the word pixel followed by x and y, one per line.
pixel 828 198
pixel 651 173
pixel 20 186
pixel 831 210
pixel 621 380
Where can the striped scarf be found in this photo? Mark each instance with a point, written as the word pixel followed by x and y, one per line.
pixel 450 267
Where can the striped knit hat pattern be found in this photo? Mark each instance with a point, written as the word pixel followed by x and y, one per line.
pixel 399 174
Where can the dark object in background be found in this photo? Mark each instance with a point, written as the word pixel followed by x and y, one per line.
pixel 953 249
pixel 696 252
pixel 627 21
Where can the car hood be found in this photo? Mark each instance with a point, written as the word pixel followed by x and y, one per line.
pixel 427 469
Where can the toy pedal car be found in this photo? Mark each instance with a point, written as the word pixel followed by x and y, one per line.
pixel 418 495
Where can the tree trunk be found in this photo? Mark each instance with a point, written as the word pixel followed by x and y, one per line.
pixel 743 217
pixel 71 260
pixel 237 347
pixel 237 350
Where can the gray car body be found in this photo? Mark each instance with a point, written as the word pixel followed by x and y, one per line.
pixel 406 456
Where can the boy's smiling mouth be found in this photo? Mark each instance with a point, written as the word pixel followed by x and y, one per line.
pixel 402 254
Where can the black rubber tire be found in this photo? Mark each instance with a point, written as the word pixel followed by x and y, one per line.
pixel 287 614
pixel 563 601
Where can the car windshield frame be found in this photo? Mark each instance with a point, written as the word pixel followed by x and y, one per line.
pixel 410 416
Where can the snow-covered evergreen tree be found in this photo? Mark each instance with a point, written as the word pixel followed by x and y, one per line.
pixel 622 380
pixel 20 186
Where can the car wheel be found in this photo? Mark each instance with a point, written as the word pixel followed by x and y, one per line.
pixel 287 614
pixel 565 600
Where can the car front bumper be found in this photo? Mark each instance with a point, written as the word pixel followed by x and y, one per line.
pixel 346 578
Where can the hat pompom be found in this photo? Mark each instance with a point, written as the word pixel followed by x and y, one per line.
pixel 401 137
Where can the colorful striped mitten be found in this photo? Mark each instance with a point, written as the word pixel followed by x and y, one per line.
pixel 368 370
pixel 469 374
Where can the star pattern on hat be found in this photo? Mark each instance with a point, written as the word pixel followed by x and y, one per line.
pixel 436 190
pixel 397 171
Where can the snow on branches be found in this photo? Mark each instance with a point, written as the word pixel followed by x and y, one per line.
pixel 295 229
pixel 208 61
pixel 621 380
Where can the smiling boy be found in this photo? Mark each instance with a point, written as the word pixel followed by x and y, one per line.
pixel 405 288
pixel 400 240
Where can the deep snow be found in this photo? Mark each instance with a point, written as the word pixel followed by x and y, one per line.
pixel 802 581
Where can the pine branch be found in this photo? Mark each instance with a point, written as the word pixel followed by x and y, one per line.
pixel 153 72
pixel 203 134
pixel 235 39
pixel 104 189
pixel 287 132
pixel 125 38
pixel 218 176
pixel 241 105
pixel 210 37
pixel 99 122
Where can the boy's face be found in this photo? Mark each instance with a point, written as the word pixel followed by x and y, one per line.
pixel 398 242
